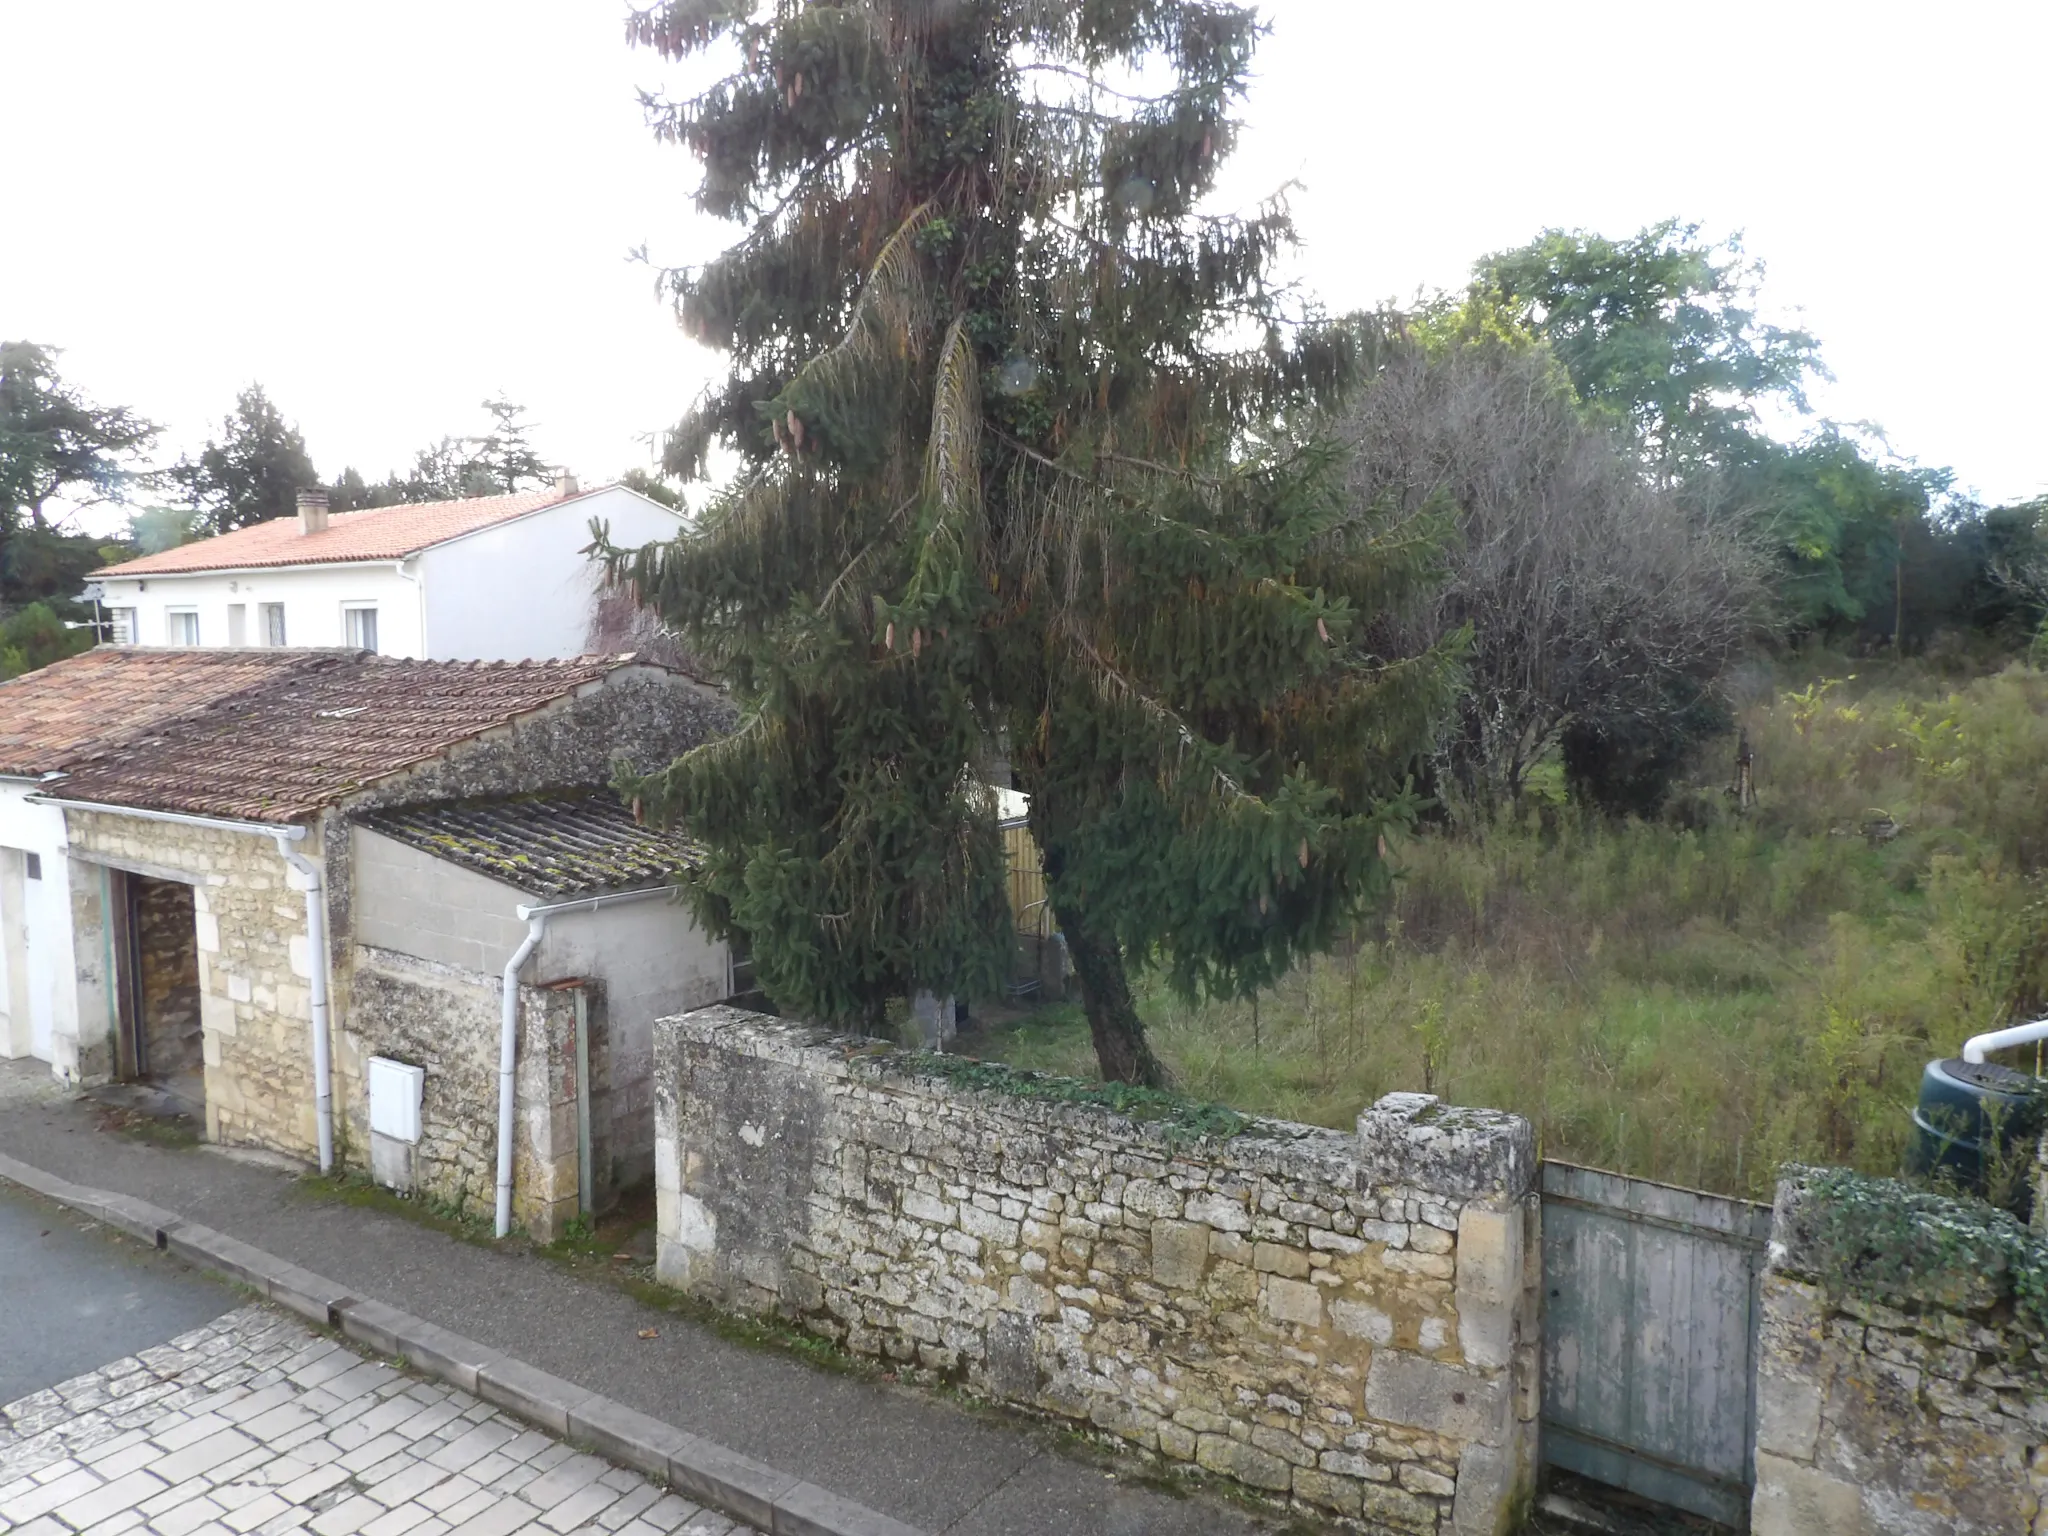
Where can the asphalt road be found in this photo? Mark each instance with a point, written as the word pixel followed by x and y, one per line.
pixel 74 1295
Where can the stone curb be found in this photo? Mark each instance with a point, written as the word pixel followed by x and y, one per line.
pixel 776 1503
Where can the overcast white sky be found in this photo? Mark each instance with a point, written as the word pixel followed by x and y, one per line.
pixel 387 210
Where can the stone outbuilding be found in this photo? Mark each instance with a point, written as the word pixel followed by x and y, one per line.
pixel 197 816
pixel 446 896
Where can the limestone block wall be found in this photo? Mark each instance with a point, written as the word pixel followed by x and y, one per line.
pixel 255 999
pixel 1341 1322
pixel 446 1021
pixel 1928 1417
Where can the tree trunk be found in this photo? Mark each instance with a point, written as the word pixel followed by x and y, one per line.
pixel 1113 1022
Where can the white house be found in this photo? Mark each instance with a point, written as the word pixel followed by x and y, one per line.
pixel 484 578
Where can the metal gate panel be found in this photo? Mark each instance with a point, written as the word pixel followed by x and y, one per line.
pixel 1649 1337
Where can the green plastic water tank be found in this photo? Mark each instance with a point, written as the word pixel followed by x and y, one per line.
pixel 1968 1113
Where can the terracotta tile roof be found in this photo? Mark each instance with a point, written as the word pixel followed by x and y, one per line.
pixel 382 533
pixel 61 714
pixel 551 845
pixel 301 736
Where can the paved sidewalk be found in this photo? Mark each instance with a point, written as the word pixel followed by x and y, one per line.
pixel 256 1424
pixel 907 1454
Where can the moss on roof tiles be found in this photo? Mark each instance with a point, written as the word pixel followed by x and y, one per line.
pixel 560 844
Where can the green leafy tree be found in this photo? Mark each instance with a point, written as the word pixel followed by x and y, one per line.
pixel 160 528
pixel 55 445
pixel 1661 336
pixel 1842 526
pixel 252 472
pixel 1030 464
pixel 34 637
pixel 54 442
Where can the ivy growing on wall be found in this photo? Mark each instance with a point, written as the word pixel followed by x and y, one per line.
pixel 1881 1241
pixel 1182 1119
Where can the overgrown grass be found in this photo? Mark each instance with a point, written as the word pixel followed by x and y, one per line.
pixel 1695 1000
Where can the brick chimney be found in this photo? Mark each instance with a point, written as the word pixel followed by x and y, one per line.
pixel 313 511
pixel 565 485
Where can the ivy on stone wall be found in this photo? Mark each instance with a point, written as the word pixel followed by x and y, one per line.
pixel 1882 1241
pixel 1181 1118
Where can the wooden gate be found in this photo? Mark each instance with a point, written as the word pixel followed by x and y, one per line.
pixel 1649 1338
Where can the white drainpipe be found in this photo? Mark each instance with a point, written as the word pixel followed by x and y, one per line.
pixel 536 920
pixel 508 1061
pixel 1999 1039
pixel 316 934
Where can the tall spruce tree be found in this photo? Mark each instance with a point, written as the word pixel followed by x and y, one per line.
pixel 1028 457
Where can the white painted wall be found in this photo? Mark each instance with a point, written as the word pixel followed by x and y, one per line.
pixel 517 591
pixel 38 1009
pixel 524 589
pixel 313 597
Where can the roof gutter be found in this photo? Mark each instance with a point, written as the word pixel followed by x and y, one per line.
pixel 180 818
pixel 286 834
pixel 535 916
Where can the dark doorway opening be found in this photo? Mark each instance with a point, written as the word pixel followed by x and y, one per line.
pixel 160 989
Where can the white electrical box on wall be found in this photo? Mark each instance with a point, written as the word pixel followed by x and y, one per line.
pixel 395 1090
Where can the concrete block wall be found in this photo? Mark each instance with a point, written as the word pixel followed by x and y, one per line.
pixel 1340 1322
pixel 409 902
pixel 1929 1418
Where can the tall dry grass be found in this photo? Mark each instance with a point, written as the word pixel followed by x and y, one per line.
pixel 1697 999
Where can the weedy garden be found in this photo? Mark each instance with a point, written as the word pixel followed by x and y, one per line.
pixel 1696 998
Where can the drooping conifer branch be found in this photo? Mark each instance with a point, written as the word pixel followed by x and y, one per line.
pixel 1011 483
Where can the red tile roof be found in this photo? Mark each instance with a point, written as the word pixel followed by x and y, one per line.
pixel 64 713
pixel 382 533
pixel 305 732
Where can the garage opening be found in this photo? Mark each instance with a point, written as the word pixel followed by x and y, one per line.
pixel 162 991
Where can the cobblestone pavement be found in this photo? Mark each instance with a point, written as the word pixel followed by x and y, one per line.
pixel 256 1424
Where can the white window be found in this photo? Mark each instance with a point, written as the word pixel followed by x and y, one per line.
pixel 273 623
pixel 359 625
pixel 238 623
pixel 121 625
pixel 181 626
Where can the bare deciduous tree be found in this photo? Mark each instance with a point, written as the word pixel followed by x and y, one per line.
pixel 1597 606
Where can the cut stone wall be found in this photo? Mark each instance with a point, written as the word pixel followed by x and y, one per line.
pixel 446 1021
pixel 1340 1322
pixel 255 999
pixel 1929 1418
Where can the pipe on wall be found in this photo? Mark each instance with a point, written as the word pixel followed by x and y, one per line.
pixel 508 1062
pixel 536 919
